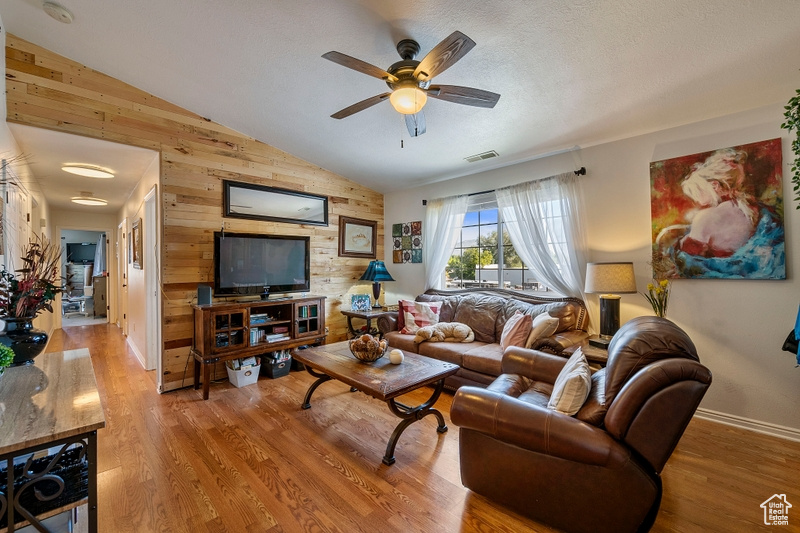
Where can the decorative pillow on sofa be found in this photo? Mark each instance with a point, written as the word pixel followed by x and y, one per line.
pixel 543 325
pixel 572 385
pixel 418 314
pixel 401 316
pixel 516 330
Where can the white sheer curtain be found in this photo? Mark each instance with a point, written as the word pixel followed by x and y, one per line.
pixel 443 220
pixel 544 222
pixel 100 256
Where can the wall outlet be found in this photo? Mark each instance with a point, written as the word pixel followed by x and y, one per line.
pixel 326 330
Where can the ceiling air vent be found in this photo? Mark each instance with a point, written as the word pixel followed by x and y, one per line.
pixel 480 157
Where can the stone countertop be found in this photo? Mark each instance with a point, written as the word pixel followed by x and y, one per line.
pixel 53 399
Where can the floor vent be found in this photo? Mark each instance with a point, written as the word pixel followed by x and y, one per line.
pixel 480 157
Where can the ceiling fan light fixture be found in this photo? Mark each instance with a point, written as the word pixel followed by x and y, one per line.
pixel 408 99
pixel 89 171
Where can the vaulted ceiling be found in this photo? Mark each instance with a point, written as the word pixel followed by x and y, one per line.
pixel 570 72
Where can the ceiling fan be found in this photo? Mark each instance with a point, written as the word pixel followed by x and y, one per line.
pixel 410 80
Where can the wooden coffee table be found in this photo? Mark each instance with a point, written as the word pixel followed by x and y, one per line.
pixel 381 380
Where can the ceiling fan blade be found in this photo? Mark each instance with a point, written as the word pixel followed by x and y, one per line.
pixel 444 55
pixel 464 95
pixel 361 106
pixel 416 124
pixel 361 66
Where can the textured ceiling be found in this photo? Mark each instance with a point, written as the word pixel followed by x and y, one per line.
pixel 570 72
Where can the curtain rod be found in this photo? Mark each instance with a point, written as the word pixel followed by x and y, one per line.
pixel 580 172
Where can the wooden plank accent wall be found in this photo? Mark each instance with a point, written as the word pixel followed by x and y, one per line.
pixel 49 91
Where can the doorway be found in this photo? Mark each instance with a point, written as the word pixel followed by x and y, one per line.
pixel 85 269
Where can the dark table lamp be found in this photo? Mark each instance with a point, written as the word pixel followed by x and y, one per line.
pixel 608 279
pixel 376 272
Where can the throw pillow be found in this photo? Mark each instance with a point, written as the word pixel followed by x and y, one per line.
pixel 419 314
pixel 401 317
pixel 572 385
pixel 543 325
pixel 516 330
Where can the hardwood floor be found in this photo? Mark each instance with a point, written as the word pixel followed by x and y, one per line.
pixel 250 460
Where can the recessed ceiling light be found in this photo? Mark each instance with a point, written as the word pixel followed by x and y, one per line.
pixel 58 12
pixel 89 171
pixel 88 200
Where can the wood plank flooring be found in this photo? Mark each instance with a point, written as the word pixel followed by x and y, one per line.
pixel 250 460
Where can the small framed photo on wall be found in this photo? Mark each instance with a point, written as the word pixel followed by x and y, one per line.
pixel 136 244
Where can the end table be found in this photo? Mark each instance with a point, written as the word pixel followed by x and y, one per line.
pixel 369 316
pixel 594 355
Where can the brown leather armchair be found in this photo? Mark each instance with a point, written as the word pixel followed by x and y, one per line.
pixel 597 471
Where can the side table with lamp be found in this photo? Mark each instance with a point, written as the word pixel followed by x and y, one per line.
pixel 376 272
pixel 609 279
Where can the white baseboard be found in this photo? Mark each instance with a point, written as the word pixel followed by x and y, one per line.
pixel 766 428
pixel 136 352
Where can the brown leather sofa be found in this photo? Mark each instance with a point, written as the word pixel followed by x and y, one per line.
pixel 600 470
pixel 486 312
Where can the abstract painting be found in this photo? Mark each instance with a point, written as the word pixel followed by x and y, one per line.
pixel 407 242
pixel 719 214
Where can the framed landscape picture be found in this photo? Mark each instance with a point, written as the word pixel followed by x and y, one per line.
pixel 357 237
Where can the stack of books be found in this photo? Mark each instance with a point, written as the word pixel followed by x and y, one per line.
pixel 259 318
pixel 276 337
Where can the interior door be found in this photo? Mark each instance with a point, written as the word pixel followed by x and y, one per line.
pixel 122 270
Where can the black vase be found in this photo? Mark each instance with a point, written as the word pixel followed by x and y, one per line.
pixel 26 341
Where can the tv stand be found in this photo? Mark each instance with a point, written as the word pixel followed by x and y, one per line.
pixel 232 330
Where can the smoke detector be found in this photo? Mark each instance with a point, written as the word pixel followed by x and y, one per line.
pixel 58 12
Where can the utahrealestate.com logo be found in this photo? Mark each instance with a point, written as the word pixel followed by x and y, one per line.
pixel 776 510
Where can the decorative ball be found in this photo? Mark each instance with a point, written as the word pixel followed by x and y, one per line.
pixel 396 356
pixel 368 349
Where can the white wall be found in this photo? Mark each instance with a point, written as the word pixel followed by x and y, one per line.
pixel 134 210
pixel 738 326
pixel 34 204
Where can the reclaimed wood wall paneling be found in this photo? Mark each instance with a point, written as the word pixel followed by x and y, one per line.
pixel 49 91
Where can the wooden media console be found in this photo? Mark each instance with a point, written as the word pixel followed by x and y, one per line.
pixel 232 330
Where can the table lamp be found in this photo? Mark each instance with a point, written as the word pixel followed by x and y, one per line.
pixel 376 272
pixel 608 279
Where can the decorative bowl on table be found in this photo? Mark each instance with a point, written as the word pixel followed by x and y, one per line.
pixel 368 349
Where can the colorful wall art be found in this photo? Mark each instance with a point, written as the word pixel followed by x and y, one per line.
pixel 407 242
pixel 719 214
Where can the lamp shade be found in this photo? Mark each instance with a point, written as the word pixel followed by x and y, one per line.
pixel 408 99
pixel 376 271
pixel 610 278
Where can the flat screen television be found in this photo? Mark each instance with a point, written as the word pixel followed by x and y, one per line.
pixel 81 252
pixel 251 264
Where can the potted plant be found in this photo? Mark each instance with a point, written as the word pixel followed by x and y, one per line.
pixel 792 116
pixel 6 358
pixel 26 293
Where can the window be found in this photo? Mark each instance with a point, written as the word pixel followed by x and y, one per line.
pixel 479 260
